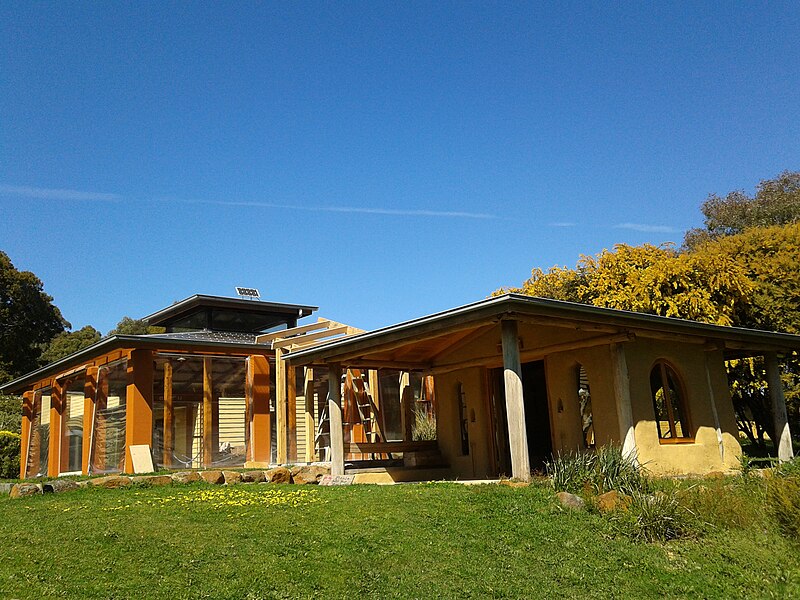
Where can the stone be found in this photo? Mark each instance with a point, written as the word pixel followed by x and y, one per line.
pixel 309 474
pixel 570 501
pixel 111 481
pixel 59 485
pixel 83 483
pixel 232 477
pixel 215 477
pixel 253 477
pixel 23 490
pixel 185 477
pixel 152 480
pixel 612 501
pixel 5 488
pixel 279 475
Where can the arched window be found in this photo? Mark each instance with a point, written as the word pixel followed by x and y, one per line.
pixel 669 404
pixel 585 407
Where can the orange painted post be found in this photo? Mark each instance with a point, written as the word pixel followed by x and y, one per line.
pixel 258 387
pixel 89 397
pixel 139 403
pixel 56 429
pixel 27 422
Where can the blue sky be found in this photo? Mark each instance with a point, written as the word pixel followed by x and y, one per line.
pixel 379 160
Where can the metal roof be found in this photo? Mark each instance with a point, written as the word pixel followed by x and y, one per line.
pixel 509 305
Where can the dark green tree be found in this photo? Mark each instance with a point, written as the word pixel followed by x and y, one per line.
pixel 129 326
pixel 28 320
pixel 67 342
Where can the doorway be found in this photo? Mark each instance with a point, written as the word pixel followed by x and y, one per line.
pixel 537 417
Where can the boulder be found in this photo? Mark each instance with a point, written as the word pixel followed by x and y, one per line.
pixel 232 477
pixel 309 474
pixel 279 475
pixel 152 480
pixel 612 501
pixel 185 477
pixel 5 488
pixel 23 490
pixel 253 477
pixel 570 501
pixel 215 477
pixel 111 481
pixel 59 485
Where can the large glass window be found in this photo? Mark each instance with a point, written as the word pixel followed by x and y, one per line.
pixel 39 445
pixel 72 447
pixel 669 404
pixel 107 454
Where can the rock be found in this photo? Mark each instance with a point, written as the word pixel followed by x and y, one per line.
pixel 513 483
pixel 185 477
pixel 59 485
pixel 612 501
pixel 83 483
pixel 253 477
pixel 111 481
pixel 570 501
pixel 309 474
pixel 232 477
pixel 5 488
pixel 23 490
pixel 215 477
pixel 152 480
pixel 279 475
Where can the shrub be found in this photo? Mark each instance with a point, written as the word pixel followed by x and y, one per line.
pixel 10 413
pixel 596 473
pixel 789 469
pixel 424 426
pixel 654 518
pixel 783 502
pixel 10 443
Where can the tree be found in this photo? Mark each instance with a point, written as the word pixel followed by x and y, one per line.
pixel 28 319
pixel 128 326
pixel 776 202
pixel 67 342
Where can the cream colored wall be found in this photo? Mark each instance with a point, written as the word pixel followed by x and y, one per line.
pixel 689 360
pixel 476 465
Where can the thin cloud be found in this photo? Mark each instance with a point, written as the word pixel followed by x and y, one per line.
pixel 349 209
pixel 57 194
pixel 646 228
pixel 563 224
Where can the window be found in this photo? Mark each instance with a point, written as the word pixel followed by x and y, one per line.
pixel 669 403
pixel 585 407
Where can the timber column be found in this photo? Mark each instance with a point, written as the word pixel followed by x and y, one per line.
pixel 25 437
pixel 783 437
pixel 335 418
pixel 138 403
pixel 258 392
pixel 515 402
pixel 622 393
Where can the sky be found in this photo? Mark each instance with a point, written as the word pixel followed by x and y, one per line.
pixel 379 160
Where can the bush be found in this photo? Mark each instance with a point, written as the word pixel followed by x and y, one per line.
pixel 10 413
pixel 654 518
pixel 783 502
pixel 424 426
pixel 10 444
pixel 596 473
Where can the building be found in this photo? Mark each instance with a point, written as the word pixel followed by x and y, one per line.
pixel 487 389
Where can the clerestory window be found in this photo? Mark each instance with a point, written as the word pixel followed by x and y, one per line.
pixel 669 403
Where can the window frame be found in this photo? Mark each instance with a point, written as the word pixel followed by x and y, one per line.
pixel 665 367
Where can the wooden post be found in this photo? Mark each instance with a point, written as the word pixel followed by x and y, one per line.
pixel 291 412
pixel 311 429
pixel 335 416
pixel 375 393
pixel 89 398
pixel 515 402
pixel 209 451
pixel 714 410
pixel 783 437
pixel 25 432
pixel 169 417
pixel 259 396
pixel 138 403
pixel 56 433
pixel 280 407
pixel 622 394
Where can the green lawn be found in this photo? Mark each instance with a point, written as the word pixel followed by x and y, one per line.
pixel 408 541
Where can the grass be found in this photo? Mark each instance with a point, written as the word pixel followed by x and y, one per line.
pixel 409 541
